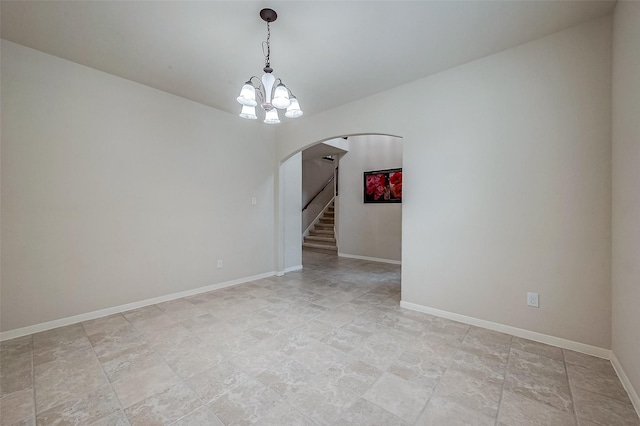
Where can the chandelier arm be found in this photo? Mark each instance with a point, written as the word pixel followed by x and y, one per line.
pixel 259 87
pixel 276 84
pixel 279 80
pixel 260 94
pixel 257 78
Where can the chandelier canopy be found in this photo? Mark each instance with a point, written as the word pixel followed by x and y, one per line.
pixel 270 91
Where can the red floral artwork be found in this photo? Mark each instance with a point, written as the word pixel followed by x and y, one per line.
pixel 395 180
pixel 376 186
pixel 384 186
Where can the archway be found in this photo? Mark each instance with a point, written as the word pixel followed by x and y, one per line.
pixel 361 237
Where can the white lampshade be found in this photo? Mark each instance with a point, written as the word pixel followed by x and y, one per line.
pixel 294 110
pixel 247 95
pixel 271 117
pixel 281 97
pixel 248 112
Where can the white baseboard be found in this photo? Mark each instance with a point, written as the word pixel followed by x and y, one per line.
pixel 24 331
pixel 626 383
pixel 519 332
pixel 372 259
pixel 289 269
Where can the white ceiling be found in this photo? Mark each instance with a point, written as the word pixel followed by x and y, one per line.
pixel 327 52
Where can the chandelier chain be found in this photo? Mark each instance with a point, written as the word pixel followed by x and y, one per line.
pixel 267 44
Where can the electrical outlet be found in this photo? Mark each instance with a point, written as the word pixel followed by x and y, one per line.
pixel 219 263
pixel 532 300
pixel 254 201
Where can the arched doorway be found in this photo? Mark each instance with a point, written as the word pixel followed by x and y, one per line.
pixel 370 231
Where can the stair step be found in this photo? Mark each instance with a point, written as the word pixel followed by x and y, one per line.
pixel 320 247
pixel 319 239
pixel 329 214
pixel 322 232
pixel 320 243
pixel 327 220
pixel 324 226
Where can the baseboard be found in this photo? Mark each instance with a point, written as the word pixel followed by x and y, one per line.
pixel 289 269
pixel 626 383
pixel 372 259
pixel 519 332
pixel 24 331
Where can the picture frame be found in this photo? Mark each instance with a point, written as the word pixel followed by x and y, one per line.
pixel 383 186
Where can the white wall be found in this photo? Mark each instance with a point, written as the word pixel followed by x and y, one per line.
pixel 291 183
pixel 315 173
pixel 113 192
pixel 508 182
pixel 626 193
pixel 370 230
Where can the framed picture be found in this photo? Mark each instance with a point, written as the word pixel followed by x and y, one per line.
pixel 383 186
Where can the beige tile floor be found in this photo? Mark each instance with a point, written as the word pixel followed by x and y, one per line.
pixel 328 345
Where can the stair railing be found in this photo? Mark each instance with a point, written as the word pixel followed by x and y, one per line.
pixel 319 192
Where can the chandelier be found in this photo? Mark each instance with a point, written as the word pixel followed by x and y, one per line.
pixel 271 92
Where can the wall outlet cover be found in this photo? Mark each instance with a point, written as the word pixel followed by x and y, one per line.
pixel 532 300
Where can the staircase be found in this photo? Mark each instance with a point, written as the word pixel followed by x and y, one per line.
pixel 322 236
